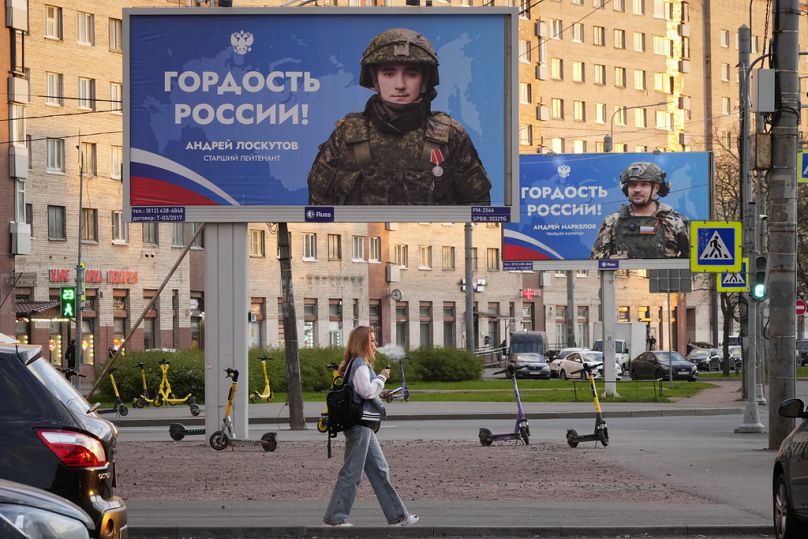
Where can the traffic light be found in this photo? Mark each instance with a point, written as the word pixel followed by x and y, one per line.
pixel 68 299
pixel 759 282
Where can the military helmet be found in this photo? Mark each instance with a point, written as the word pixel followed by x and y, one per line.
pixel 399 46
pixel 644 171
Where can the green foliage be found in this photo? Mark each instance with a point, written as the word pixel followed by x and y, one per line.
pixel 184 375
pixel 434 365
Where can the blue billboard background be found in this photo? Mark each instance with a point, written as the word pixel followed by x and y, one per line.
pixel 178 159
pixel 564 199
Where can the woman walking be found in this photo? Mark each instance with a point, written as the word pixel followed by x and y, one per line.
pixel 362 449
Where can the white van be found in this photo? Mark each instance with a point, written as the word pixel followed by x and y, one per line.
pixel 621 352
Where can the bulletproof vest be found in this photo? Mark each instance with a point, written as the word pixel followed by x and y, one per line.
pixel 639 237
pixel 396 167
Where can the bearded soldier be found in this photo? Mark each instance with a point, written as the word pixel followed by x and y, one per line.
pixel 645 227
pixel 398 151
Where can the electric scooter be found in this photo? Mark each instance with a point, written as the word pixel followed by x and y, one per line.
pixel 266 394
pixel 601 433
pixel 322 423
pixel 142 400
pixel 401 392
pixel 166 395
pixel 521 430
pixel 220 439
pixel 118 406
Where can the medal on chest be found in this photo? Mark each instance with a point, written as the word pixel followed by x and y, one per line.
pixel 436 159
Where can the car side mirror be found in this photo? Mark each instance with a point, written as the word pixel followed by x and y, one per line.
pixel 792 408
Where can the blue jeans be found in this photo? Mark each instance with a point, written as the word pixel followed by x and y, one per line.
pixel 362 451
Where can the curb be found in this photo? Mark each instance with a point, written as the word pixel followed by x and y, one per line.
pixel 167 532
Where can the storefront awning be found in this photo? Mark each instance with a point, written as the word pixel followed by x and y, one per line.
pixel 31 307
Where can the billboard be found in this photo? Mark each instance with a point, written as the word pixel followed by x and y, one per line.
pixel 625 210
pixel 290 114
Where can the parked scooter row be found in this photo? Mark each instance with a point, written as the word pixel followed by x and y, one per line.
pixel 165 395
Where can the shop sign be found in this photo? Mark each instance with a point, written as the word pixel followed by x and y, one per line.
pixel 59 275
pixel 121 277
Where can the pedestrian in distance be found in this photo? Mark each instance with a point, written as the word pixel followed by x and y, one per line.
pixel 70 354
pixel 362 449
pixel 645 228
pixel 398 151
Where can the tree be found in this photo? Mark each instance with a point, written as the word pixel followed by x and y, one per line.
pixel 294 388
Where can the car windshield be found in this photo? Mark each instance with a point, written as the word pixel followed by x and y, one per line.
pixel 695 354
pixel 59 386
pixel 531 358
pixel 665 357
pixel 592 357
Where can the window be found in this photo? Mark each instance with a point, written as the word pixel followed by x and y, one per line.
pixel 20 207
pixel 448 258
pixel 425 257
pixel 725 72
pixel 374 249
pixel 724 37
pixel 449 321
pixel 89 224
pixel 257 242
pixel 598 36
pixel 639 79
pixel 309 322
pixel 474 264
pixel 661 46
pixel 600 74
pixel 663 83
pixel 115 35
pixel 492 259
pixel 525 135
pixel 525 96
pixel 557 68
pixel 579 110
pixel 86 93
pixel 120 228
pixel 524 51
pixel 335 247
pixel 199 242
pixel 115 96
pixel 623 314
pixel 557 31
pixel 597 3
pixel 86 29
pixel 640 148
pixel 620 77
pixel 619 39
pixel 56 155
pixel 578 32
pixel 17 123
pixel 557 146
pixel 115 161
pixel 644 313
pixel 401 256
pixel 425 323
pixel 620 115
pixel 358 249
pixel 178 234
pixel 309 246
pixel 557 108
pixel 579 146
pixel 578 71
pixel 600 113
pixel 151 234
pixel 53 22
pixel 726 106
pixel 619 5
pixel 402 324
pixel 639 7
pixel 639 41
pixel 640 117
pixel 334 322
pixel 89 158
pixel 55 89
pixel 56 223
pixel 663 120
pixel 685 48
pixel 29 145
pixel 578 2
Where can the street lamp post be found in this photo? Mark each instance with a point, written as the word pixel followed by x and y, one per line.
pixel 608 142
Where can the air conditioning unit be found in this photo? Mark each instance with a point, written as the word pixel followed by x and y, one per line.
pixel 17 14
pixel 20 238
pixel 18 89
pixel 541 72
pixel 684 139
pixel 684 66
pixel 391 226
pixel 684 102
pixel 542 113
pixel 17 161
pixel 541 29
pixel 684 29
pixel 392 273
pixel 251 316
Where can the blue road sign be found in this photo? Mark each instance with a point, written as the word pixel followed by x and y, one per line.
pixel 735 282
pixel 715 246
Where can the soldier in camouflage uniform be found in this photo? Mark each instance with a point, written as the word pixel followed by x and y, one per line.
pixel 398 151
pixel 644 228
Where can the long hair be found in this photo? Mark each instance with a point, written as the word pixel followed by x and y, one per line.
pixel 358 345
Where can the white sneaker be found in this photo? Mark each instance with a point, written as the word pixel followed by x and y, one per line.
pixel 408 520
pixel 337 525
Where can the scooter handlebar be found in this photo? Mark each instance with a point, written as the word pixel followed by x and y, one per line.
pixel 138 366
pixel 232 373
pixel 265 358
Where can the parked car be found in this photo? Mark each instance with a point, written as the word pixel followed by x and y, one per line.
pixel 535 365
pixel 802 352
pixel 52 439
pixel 572 365
pixel 789 495
pixel 693 345
pixel 736 358
pixel 705 359
pixel 26 511
pixel 657 364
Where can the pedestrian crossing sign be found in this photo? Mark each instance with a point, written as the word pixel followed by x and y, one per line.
pixel 734 282
pixel 802 163
pixel 715 246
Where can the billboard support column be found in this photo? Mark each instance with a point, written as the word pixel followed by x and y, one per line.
pixel 226 308
pixel 607 310
pixel 469 320
pixel 572 315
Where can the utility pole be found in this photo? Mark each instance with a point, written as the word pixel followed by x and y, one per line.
pixel 469 318
pixel 78 351
pixel 782 221
pixel 570 317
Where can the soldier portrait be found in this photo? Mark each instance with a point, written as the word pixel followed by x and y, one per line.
pixel 398 151
pixel 645 227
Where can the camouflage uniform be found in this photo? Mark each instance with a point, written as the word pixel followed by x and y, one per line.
pixel 419 157
pixel 663 234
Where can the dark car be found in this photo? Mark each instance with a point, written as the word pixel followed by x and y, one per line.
pixel 532 365
pixel 657 364
pixel 705 359
pixel 790 476
pixel 50 438
pixel 27 512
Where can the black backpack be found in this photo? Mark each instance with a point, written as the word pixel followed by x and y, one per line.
pixel 343 409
